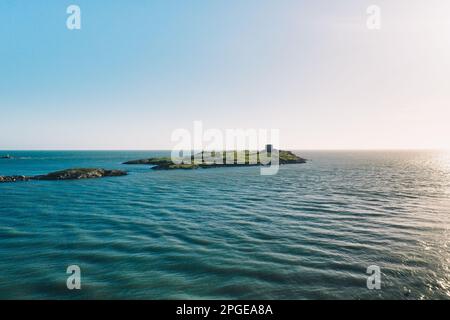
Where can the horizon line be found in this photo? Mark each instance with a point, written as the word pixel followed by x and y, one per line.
pixel 292 149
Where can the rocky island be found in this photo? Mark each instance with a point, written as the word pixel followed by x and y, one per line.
pixel 206 160
pixel 69 174
pixel 201 160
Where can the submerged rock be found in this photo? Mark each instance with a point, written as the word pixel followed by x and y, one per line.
pixel 69 174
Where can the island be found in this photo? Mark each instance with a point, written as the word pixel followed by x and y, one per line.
pixel 209 159
pixel 201 160
pixel 69 174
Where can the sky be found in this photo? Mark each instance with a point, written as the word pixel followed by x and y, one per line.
pixel 138 70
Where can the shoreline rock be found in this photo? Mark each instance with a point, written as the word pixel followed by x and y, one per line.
pixel 69 174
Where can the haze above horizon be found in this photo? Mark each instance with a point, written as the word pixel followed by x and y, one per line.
pixel 136 72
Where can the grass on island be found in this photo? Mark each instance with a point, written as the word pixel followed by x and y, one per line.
pixel 211 159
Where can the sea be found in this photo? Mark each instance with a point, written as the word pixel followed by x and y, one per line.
pixel 327 229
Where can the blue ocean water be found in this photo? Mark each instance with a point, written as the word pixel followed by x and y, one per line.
pixel 309 232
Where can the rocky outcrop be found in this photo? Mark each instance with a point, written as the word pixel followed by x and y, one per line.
pixel 6 157
pixel 151 161
pixel 288 157
pixel 13 178
pixel 69 174
pixel 241 159
pixel 75 174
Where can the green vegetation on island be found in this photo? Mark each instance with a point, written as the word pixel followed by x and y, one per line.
pixel 212 159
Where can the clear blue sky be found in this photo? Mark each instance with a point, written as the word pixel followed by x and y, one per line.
pixel 139 69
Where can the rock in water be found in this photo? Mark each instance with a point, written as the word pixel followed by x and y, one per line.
pixel 69 174
pixel 82 173
pixel 13 178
